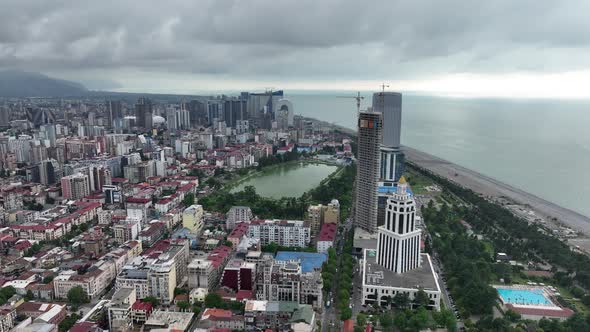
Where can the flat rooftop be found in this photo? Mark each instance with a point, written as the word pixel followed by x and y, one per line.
pixel 309 260
pixel 377 275
pixel 364 240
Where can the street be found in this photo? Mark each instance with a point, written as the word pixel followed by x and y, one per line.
pixel 330 319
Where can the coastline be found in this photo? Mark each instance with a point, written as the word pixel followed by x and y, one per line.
pixel 497 190
pixel 490 187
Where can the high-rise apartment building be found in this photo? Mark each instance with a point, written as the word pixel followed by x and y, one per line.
pixel 144 113
pixel 114 111
pixel 234 109
pixel 4 116
pixel 369 141
pixel 177 119
pixel 75 186
pixel 315 215
pixel 389 104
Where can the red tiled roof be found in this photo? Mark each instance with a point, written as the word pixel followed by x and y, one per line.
pixel 83 327
pixel 138 305
pixel 561 312
pixel 138 200
pixel 348 326
pixel 22 245
pixel 328 232
pixel 239 231
pixel 216 313
pixel 244 295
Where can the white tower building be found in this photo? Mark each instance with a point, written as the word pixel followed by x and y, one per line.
pixel 398 243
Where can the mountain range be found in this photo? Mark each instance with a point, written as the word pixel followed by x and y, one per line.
pixel 17 83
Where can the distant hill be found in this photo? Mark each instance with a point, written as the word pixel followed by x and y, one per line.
pixel 16 83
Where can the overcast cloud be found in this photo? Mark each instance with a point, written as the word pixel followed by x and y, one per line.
pixel 225 44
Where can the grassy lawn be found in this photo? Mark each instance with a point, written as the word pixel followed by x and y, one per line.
pixel 567 295
pixel 489 247
pixel 417 181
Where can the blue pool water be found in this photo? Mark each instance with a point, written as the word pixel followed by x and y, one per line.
pixel 309 260
pixel 523 296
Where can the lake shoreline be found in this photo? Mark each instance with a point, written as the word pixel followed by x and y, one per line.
pixel 267 171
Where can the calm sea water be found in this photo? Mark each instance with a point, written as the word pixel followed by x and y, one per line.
pixel 290 180
pixel 540 146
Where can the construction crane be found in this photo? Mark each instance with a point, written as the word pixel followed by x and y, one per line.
pixel 358 98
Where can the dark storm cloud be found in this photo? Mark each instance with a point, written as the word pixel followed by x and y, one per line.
pixel 296 39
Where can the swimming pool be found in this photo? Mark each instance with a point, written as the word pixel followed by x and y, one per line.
pixel 523 296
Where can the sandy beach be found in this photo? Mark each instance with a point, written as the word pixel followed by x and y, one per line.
pixel 496 189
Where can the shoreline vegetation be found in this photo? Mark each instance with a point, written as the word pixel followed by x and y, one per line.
pixel 252 173
pixel 470 264
pixel 337 185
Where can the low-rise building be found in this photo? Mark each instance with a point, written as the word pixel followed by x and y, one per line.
pixel 201 274
pixel 236 235
pixel 213 318
pixel 119 309
pixel 192 218
pixel 126 230
pixel 173 321
pixel 238 275
pixel 325 239
pixel 275 315
pixel 7 318
pixel 140 312
pixel 47 312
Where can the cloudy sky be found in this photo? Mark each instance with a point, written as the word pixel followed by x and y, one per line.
pixel 462 48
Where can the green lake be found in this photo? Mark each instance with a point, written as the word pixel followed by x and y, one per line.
pixel 289 180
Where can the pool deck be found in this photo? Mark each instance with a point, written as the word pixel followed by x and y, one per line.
pixel 551 310
pixel 540 290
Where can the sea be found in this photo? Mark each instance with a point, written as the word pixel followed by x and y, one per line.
pixel 541 146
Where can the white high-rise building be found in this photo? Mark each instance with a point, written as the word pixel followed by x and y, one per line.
pixel 396 265
pixel 398 243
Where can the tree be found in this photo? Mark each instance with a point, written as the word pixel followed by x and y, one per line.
pixel 68 322
pixel 48 279
pixel 213 300
pixel 421 298
pixel 77 295
pixel 401 320
pixel 228 243
pixel 6 293
pixel 197 172
pixel 419 320
pixel 401 300
pixel 189 199
pixel 83 227
pixel 271 247
pixel 512 316
pixel 152 300
pixel 386 320
pixel 345 314
pixel 183 305
pixel 29 296
pixel 178 291
pixel 361 319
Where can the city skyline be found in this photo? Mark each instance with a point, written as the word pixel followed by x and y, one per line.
pixel 453 49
